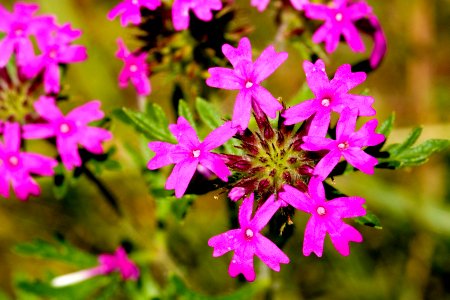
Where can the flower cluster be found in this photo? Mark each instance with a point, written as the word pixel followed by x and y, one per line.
pixel 28 112
pixel 283 167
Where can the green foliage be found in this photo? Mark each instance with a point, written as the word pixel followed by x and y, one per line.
pixel 61 250
pixel 172 206
pixel 386 127
pixel 208 113
pixel 185 111
pixel 370 219
pixel 407 155
pixel 152 123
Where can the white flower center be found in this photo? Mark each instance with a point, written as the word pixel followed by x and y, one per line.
pixel 133 68
pixel 64 128
pixel 343 146
pixel 248 84
pixel 196 153
pixel 52 54
pixel 338 17
pixel 325 102
pixel 13 160
pixel 249 233
pixel 321 211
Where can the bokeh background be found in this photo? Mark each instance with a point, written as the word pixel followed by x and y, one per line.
pixel 408 259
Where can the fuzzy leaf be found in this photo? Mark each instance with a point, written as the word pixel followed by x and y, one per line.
pixel 396 149
pixel 185 111
pixel 208 113
pixel 370 219
pixel 386 127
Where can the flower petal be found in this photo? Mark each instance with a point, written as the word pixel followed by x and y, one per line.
pixel 225 242
pixel 242 262
pixel 242 52
pixel 219 136
pixel 265 213
pixel 267 63
pixel 366 135
pixel 341 238
pixel 47 109
pixel 39 164
pixel 68 150
pixel 327 164
pixel 215 164
pixel 268 103
pixel 360 160
pixel 181 176
pixel 224 78
pixel 347 207
pixel 245 211
pixel 11 137
pixel 317 143
pixel 163 155
pixel 184 133
pixel 86 113
pixel 92 138
pixel 314 237
pixel 299 112
pixel 269 253
pixel 346 124
pixel 242 110
pixel 294 197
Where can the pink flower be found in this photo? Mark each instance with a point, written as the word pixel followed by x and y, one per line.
pixel 379 42
pixel 330 96
pixel 130 10
pixel 135 69
pixel 261 5
pixel 108 263
pixel 339 20
pixel 247 241
pixel 16 166
pixel 348 144
pixel 201 8
pixel 326 217
pixel 69 130
pixel 18 27
pixel 299 4
pixel 247 77
pixel 189 153
pixel 56 49
pixel 236 193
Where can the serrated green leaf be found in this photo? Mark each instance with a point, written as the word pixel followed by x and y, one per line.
pixel 397 149
pixel 370 219
pixel 386 127
pixel 185 111
pixel 420 154
pixel 208 114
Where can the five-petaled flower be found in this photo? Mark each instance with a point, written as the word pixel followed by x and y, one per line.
pixel 330 95
pixel 247 77
pixel 130 10
pixel 135 69
pixel 19 26
pixel 55 49
pixel 189 153
pixel 248 241
pixel 201 8
pixel 108 263
pixel 339 20
pixel 348 143
pixel 69 130
pixel 16 166
pixel 326 217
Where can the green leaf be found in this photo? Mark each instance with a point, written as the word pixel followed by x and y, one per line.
pixel 172 206
pixel 184 111
pixel 397 149
pixel 420 154
pixel 386 127
pixel 153 123
pixel 208 113
pixel 370 219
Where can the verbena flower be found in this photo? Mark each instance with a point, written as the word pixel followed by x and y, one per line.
pixel 326 217
pixel 19 26
pixel 108 263
pixel 299 4
pixel 339 20
pixel 261 5
pixel 16 167
pixel 130 10
pixel 247 241
pixel 135 69
pixel 348 144
pixel 70 130
pixel 330 95
pixel 247 77
pixel 201 8
pixel 55 49
pixel 189 153
pixel 379 41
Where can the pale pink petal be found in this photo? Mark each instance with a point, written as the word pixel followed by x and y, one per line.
pixel 181 176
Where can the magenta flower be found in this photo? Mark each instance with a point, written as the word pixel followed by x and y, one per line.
pixel 108 263
pixel 260 5
pixel 326 217
pixel 130 10
pixel 135 69
pixel 189 153
pixel 247 241
pixel 201 8
pixel 16 166
pixel 19 26
pixel 70 130
pixel 299 4
pixel 56 49
pixel 339 20
pixel 247 77
pixel 348 144
pixel 330 96
pixel 379 42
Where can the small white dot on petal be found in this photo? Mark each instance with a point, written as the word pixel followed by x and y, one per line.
pixel 248 84
pixel 321 211
pixel 343 146
pixel 338 17
pixel 196 153
pixel 249 233
pixel 13 160
pixel 133 68
pixel 325 102
pixel 64 128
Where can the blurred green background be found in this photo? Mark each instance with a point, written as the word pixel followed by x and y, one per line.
pixel 408 259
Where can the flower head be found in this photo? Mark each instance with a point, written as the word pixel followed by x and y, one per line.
pixel 330 95
pixel 108 263
pixel 16 166
pixel 130 10
pixel 135 69
pixel 326 217
pixel 70 130
pixel 339 20
pixel 247 77
pixel 247 241
pixel 201 8
pixel 189 153
pixel 55 49
pixel 19 26
pixel 348 144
